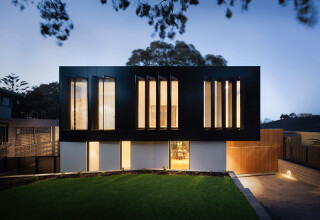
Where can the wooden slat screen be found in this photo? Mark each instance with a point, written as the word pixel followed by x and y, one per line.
pixel 245 157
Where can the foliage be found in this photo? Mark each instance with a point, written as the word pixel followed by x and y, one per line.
pixel 164 169
pixel 127 197
pixel 166 16
pixel 79 173
pixel 34 178
pixel 56 23
pixel 41 102
pixel 226 173
pixel 160 53
pixel 122 169
pixel 315 141
pixel 266 120
pixel 291 115
pixel 13 83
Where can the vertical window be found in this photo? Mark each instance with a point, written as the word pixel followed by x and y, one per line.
pixel 174 103
pixel 126 154
pixel 109 103
pixel 163 103
pixel 107 87
pixel 217 104
pixel 228 104
pixel 72 104
pixel 79 104
pixel 141 103
pixel 100 104
pixel 93 156
pixel 238 105
pixel 179 155
pixel 152 103
pixel 207 104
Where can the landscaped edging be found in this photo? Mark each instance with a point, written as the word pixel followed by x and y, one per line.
pixel 255 204
pixel 17 180
pixel 302 173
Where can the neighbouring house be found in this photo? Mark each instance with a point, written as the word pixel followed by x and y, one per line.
pixel 6 102
pixel 29 146
pixel 150 117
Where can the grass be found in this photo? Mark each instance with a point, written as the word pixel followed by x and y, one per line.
pixel 143 196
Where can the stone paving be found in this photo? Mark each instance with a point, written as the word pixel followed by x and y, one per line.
pixel 284 197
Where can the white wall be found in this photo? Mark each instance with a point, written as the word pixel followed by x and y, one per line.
pixel 73 156
pixel 208 155
pixel 148 154
pixel 109 156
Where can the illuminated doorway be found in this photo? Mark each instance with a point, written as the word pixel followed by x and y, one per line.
pixel 179 155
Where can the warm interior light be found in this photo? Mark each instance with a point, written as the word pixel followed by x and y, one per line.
pixel 141 104
pixel 228 104
pixel 217 104
pixel 174 104
pixel 179 155
pixel 207 104
pixel 126 154
pixel 152 104
pixel 163 104
pixel 93 156
pixel 238 105
pixel 288 172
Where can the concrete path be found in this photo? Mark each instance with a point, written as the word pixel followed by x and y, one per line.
pixel 283 197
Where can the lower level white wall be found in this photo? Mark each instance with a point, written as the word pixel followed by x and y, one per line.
pixel 208 155
pixel 109 156
pixel 73 156
pixel 148 154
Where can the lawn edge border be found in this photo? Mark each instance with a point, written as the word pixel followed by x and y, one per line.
pixel 255 204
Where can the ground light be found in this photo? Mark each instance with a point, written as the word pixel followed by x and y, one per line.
pixel 288 175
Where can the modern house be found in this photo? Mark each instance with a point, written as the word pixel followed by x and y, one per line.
pixel 150 117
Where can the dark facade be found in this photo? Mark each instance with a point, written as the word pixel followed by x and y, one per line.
pixel 191 103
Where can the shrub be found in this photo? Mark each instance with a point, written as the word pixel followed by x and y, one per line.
pixel 122 169
pixel 226 173
pixel 164 169
pixel 79 173
pixel 144 170
pixel 34 178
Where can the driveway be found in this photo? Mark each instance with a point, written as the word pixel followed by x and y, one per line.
pixel 283 197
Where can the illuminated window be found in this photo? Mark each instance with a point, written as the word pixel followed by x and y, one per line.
pixel 126 154
pixel 217 104
pixel 93 156
pixel 163 103
pixel 179 155
pixel 228 104
pixel 238 105
pixel 107 87
pixel 141 103
pixel 207 104
pixel 79 104
pixel 152 103
pixel 174 103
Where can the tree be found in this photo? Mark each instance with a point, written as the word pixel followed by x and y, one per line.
pixel 166 16
pixel 41 102
pixel 283 116
pixel 266 120
pixel 160 53
pixel 12 83
pixel 293 115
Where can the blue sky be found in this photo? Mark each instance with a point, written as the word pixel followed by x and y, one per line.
pixel 268 35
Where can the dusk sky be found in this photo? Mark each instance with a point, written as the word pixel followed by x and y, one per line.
pixel 267 35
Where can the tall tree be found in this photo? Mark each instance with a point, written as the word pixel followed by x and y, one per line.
pixel 166 16
pixel 13 83
pixel 160 53
pixel 40 102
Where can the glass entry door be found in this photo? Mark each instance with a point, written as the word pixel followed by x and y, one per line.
pixel 179 155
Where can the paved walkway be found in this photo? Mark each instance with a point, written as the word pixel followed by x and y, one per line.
pixel 283 197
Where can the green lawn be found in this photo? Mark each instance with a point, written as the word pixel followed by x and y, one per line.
pixel 143 196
